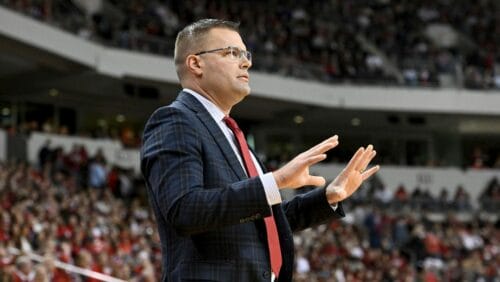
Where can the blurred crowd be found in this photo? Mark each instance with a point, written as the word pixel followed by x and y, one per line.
pixel 377 245
pixel 75 208
pixel 414 43
pixel 78 209
pixel 406 236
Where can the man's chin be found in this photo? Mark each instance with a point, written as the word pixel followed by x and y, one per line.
pixel 245 91
pixel 242 95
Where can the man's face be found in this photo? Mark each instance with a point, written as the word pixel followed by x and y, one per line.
pixel 225 77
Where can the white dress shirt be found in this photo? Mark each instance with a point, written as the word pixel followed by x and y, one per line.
pixel 270 187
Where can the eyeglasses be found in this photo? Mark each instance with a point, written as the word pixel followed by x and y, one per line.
pixel 234 53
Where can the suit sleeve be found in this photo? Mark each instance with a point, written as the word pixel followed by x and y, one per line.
pixel 172 164
pixel 310 209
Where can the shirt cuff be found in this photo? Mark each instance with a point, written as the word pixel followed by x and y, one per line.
pixel 270 188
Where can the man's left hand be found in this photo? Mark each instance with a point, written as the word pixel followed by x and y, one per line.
pixel 351 177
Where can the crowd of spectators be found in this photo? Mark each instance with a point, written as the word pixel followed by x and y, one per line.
pixel 66 212
pixel 75 208
pixel 330 41
pixel 375 245
pixel 406 236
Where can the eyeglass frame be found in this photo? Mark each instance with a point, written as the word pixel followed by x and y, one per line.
pixel 241 53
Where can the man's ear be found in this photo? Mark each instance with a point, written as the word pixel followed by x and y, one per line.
pixel 194 64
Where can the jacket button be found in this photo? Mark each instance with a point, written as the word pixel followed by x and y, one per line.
pixel 266 274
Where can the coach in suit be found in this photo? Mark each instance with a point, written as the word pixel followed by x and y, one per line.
pixel 220 216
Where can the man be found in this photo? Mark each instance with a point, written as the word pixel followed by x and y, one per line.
pixel 220 217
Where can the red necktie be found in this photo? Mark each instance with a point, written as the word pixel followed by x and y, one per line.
pixel 272 232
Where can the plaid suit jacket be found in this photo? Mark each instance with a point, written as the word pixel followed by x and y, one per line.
pixel 209 213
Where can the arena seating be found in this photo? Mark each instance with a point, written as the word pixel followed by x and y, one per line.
pixel 70 208
pixel 363 42
pixel 73 213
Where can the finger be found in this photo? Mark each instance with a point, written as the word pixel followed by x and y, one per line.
pixel 316 181
pixel 315 159
pixel 365 175
pixel 355 159
pixel 367 157
pixel 326 147
pixel 319 148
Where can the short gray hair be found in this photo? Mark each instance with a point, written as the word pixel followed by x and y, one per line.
pixel 192 35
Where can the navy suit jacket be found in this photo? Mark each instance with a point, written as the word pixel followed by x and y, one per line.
pixel 209 213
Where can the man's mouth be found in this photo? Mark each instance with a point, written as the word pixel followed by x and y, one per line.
pixel 244 77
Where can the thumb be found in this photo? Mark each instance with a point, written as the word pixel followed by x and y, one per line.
pixel 316 181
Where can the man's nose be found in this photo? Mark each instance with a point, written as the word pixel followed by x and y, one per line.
pixel 245 63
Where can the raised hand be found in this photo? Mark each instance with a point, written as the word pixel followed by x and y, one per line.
pixel 351 177
pixel 295 173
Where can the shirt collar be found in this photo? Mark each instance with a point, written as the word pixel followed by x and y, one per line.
pixel 216 113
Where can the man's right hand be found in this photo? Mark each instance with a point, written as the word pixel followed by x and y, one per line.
pixel 295 174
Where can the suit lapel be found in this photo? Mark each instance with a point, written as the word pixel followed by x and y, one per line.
pixel 207 120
